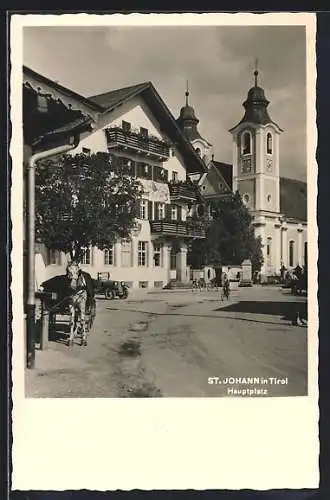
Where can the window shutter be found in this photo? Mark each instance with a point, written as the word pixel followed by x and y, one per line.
pixel 168 211
pixel 138 208
pixel 150 214
pixel 156 213
pixel 132 169
pixel 179 209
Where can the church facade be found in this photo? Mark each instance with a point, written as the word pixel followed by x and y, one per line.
pixel 278 205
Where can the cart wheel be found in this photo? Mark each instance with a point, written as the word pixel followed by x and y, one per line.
pixel 109 294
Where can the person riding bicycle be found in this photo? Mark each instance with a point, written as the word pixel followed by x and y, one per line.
pixel 225 286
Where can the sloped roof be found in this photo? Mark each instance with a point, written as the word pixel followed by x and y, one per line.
pixel 226 170
pixel 293 198
pixel 146 90
pixel 114 97
pixel 52 112
pixel 67 96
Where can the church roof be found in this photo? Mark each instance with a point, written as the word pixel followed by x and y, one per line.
pixel 226 170
pixel 293 198
pixel 188 122
pixel 147 92
pixel 256 107
pixel 293 193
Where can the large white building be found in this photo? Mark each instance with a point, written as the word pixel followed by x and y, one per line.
pixel 140 134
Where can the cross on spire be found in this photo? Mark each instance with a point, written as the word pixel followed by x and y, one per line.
pixel 256 72
pixel 187 92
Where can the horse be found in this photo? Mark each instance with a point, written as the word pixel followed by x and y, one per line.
pixel 60 285
pixel 77 303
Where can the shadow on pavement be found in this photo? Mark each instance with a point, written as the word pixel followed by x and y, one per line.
pixel 207 316
pixel 287 310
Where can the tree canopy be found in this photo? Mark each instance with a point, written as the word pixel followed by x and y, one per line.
pixel 230 236
pixel 82 201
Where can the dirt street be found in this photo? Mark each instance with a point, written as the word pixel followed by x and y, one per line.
pixel 181 344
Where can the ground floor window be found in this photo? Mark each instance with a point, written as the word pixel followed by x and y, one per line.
pixel 158 284
pixel 108 256
pixel 143 284
pixel 291 253
pixel 126 253
pixel 53 257
pixel 87 256
pixel 305 253
pixel 142 253
pixel 157 254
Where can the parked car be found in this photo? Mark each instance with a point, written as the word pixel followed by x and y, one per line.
pixel 111 289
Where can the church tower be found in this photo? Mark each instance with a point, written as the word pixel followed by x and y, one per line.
pixel 188 122
pixel 256 154
pixel 256 174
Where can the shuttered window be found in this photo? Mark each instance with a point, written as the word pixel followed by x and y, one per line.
pixel 150 210
pixel 126 253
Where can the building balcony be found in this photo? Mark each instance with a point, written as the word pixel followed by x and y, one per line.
pixel 181 229
pixel 182 191
pixel 146 146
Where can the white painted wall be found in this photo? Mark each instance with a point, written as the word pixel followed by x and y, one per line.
pixel 137 113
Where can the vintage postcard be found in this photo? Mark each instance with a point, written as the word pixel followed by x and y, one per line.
pixel 164 287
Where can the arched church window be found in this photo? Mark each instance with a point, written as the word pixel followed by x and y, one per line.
pixel 291 253
pixel 269 144
pixel 269 251
pixel 246 143
pixel 305 253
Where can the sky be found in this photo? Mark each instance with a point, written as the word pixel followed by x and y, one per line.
pixel 218 62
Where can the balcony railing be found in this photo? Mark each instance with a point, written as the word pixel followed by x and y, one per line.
pixel 178 228
pixel 133 141
pixel 182 191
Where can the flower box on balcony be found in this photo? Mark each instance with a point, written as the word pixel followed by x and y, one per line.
pixel 144 145
pixel 184 190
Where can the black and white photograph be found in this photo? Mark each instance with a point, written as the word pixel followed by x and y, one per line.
pixel 168 240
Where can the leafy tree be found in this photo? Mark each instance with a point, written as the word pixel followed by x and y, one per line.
pixel 230 236
pixel 256 256
pixel 82 201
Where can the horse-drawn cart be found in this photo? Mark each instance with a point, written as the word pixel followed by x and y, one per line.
pixel 56 302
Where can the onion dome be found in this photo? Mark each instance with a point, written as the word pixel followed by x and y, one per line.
pixel 256 106
pixel 188 121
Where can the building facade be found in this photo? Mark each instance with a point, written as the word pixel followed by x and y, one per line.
pixel 142 138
